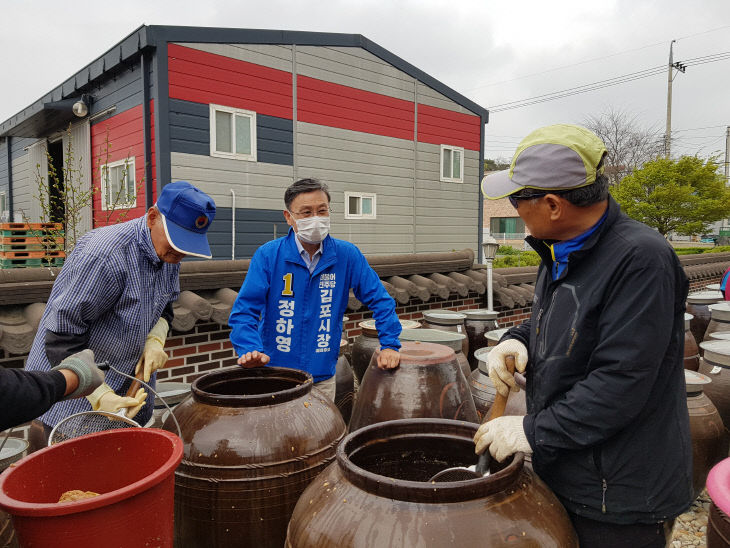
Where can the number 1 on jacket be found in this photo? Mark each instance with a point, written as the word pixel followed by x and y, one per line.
pixel 287 292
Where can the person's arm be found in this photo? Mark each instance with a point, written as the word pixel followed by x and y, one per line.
pixel 90 288
pixel 246 311
pixel 623 366
pixel 25 395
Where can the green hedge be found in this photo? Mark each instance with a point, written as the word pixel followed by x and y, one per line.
pixel 697 250
pixel 521 258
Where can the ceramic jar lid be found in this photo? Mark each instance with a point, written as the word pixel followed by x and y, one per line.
pixel 495 334
pixel 481 314
pixel 368 326
pixel 448 338
pixel 704 297
pixel 444 317
pixel 687 318
pixel 171 393
pixel 716 353
pixel 720 311
pixel 720 336
pixel 695 381
pixel 481 355
pixel 12 452
pixel 712 287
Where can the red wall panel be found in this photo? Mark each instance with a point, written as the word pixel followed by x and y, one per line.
pixel 117 138
pixel 204 77
pixel 445 127
pixel 335 105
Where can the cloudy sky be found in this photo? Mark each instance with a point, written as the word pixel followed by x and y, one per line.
pixel 492 51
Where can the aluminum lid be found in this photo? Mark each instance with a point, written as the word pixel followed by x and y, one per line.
pixel 481 356
pixel 720 336
pixel 481 314
pixel 444 317
pixel 712 287
pixel 704 297
pixel 720 311
pixel 171 393
pixel 448 338
pixel 496 334
pixel 12 452
pixel 687 318
pixel 405 324
pixel 695 381
pixel 716 352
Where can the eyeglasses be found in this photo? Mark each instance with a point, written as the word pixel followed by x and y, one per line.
pixel 527 195
pixel 321 212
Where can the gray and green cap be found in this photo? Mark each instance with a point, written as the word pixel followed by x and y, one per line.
pixel 559 157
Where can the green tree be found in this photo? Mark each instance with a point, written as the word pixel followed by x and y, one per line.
pixel 685 195
pixel 496 165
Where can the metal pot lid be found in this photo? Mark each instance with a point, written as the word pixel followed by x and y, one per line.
pixel 720 336
pixel 712 287
pixel 12 452
pixel 405 324
pixel 481 355
pixel 704 297
pixel 695 381
pixel 481 314
pixel 172 393
pixel 717 352
pixel 720 311
pixel 496 334
pixel 444 317
pixel 448 338
pixel 687 318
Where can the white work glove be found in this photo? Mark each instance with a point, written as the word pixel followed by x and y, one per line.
pixel 502 379
pixel 153 356
pixel 504 436
pixel 105 399
pixel 83 366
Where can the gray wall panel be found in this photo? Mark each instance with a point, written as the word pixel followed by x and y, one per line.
pixel 190 133
pixel 254 227
pixel 278 57
pixel 23 185
pixel 4 167
pixel 123 91
pixel 431 97
pixel 354 67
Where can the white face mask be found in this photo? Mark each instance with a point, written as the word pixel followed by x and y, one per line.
pixel 312 230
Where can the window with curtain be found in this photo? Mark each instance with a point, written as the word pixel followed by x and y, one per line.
pixel 452 164
pixel 506 225
pixel 232 133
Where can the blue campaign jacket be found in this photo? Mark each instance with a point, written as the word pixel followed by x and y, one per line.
pixel 300 314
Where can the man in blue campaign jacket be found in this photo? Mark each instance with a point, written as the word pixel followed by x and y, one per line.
pixel 289 310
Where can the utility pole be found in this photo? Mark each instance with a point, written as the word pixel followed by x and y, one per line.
pixel 727 155
pixel 670 77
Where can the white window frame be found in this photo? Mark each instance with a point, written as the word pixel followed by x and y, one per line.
pixel 235 112
pixel 441 165
pixel 361 195
pixel 4 212
pixel 103 175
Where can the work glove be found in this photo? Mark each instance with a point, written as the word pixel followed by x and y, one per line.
pixel 504 436
pixel 153 356
pixel 83 365
pixel 502 379
pixel 105 399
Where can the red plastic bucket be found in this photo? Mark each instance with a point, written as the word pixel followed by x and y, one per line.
pixel 132 469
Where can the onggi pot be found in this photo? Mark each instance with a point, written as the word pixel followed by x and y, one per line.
pixel 691 350
pixel 719 319
pixel 709 436
pixel 484 393
pixel 447 320
pixel 378 493
pixel 715 363
pixel 478 323
pixel 494 336
pixel 448 338
pixel 254 439
pixel 367 342
pixel 698 304
pixel 427 383
pixel 345 386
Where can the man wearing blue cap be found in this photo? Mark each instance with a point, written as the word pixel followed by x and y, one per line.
pixel 607 421
pixel 114 296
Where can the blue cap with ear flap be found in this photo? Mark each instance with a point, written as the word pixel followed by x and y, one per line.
pixel 187 213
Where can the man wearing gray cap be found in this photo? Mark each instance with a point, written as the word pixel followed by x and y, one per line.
pixel 607 421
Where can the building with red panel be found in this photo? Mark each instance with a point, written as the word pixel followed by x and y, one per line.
pixel 242 114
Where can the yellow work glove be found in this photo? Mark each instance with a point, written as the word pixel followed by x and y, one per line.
pixel 153 356
pixel 105 399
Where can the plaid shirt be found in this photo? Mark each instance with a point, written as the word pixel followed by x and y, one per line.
pixel 112 290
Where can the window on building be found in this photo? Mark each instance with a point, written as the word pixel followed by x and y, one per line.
pixel 232 133
pixel 118 185
pixel 359 205
pixel 452 164
pixel 506 225
pixel 4 213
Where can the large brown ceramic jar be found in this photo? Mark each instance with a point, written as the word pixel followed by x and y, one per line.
pixel 447 320
pixel 378 493
pixel 478 323
pixel 709 436
pixel 345 385
pixel 448 338
pixel 13 450
pixel 483 391
pixel 691 350
pixel 715 363
pixel 698 304
pixel 254 439
pixel 719 319
pixel 427 383
pixel 494 336
pixel 367 342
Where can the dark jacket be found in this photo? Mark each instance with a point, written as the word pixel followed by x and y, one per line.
pixel 607 413
pixel 25 395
